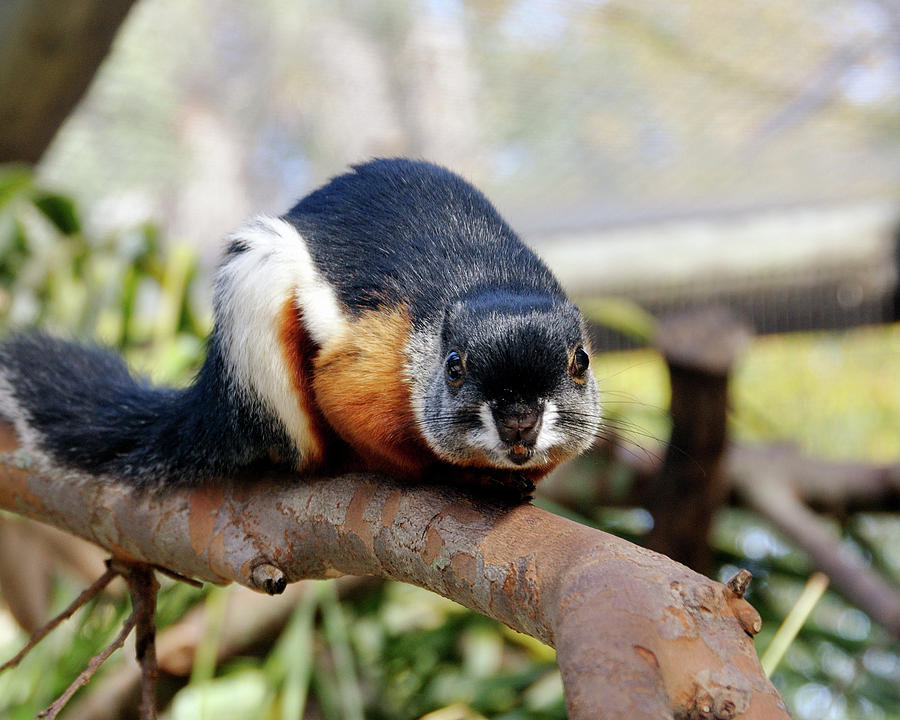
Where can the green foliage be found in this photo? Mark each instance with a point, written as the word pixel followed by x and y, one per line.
pixel 836 394
pixel 394 652
pixel 421 652
pixel 125 289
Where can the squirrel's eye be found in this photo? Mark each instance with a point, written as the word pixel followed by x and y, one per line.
pixel 454 369
pixel 580 361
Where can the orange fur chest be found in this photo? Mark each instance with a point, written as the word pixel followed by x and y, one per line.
pixel 360 387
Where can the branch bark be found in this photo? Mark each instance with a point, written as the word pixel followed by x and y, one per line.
pixel 637 635
pixel 785 487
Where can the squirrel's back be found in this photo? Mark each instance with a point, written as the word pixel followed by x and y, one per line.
pixel 401 231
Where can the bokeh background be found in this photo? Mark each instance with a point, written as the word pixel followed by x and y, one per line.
pixel 664 155
pixel 569 114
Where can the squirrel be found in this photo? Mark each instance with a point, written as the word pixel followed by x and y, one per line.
pixel 391 321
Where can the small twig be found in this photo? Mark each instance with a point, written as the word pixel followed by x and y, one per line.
pixel 143 586
pixel 269 578
pixel 87 594
pixel 178 576
pixel 54 709
pixel 740 582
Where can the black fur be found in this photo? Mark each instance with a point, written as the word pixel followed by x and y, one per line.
pixel 397 231
pixel 515 347
pixel 92 414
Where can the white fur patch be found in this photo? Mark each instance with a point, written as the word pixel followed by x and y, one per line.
pixel 11 410
pixel 487 437
pixel 29 438
pixel 252 287
pixel 549 435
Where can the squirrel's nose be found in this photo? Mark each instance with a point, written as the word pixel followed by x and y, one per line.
pixel 519 427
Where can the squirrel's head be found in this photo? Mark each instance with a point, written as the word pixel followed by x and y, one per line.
pixel 508 383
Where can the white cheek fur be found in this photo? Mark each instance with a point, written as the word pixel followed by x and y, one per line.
pixel 549 435
pixel 421 349
pixel 486 437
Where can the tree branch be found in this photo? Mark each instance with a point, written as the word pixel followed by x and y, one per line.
pixel 784 486
pixel 700 348
pixel 143 588
pixel 830 486
pixel 85 675
pixel 770 493
pixel 637 635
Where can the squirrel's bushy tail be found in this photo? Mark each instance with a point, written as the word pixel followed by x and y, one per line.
pixel 80 406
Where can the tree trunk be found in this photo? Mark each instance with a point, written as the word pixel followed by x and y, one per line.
pixel 49 53
pixel 700 348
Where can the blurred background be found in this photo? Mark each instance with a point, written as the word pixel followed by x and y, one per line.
pixel 664 157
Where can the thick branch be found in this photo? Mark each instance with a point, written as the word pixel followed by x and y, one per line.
pixel 782 485
pixel 637 635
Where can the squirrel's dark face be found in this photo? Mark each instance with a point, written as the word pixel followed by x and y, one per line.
pixel 509 385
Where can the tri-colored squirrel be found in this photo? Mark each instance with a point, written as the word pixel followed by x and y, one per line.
pixel 390 321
